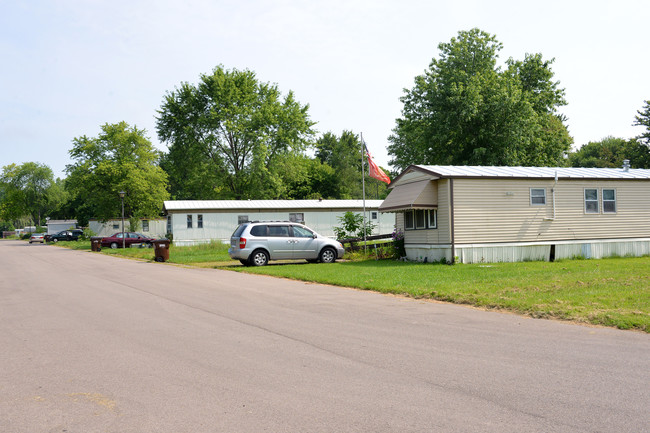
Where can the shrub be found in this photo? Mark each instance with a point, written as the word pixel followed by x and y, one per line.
pixel 398 244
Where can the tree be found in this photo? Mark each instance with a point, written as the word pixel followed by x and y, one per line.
pixel 643 119
pixel 466 110
pixel 30 190
pixel 227 134
pixel 343 154
pixel 120 158
pixel 610 152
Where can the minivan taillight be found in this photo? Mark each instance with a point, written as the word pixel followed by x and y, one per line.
pixel 242 243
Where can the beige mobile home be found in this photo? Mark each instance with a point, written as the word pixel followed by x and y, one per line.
pixel 196 221
pixel 504 214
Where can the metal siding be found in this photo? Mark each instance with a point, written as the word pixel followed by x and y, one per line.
pixel 220 225
pixel 499 210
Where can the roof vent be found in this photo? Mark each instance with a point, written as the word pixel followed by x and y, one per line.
pixel 626 165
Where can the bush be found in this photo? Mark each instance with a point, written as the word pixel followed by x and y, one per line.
pixel 352 226
pixel 87 234
pixel 398 244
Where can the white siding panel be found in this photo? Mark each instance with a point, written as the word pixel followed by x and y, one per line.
pixel 220 225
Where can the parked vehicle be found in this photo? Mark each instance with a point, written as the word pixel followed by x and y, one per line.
pixel 130 238
pixel 65 235
pixel 36 237
pixel 255 243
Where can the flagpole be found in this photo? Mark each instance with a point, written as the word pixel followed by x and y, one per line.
pixel 363 182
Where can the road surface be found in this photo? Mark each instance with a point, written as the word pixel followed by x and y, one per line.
pixel 94 343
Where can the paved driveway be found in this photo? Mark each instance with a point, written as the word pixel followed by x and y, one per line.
pixel 93 343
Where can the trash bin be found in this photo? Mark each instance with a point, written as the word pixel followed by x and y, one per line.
pixel 161 249
pixel 95 243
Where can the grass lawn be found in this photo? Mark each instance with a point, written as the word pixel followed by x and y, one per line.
pixel 612 292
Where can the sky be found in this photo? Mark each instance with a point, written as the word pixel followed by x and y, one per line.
pixel 70 66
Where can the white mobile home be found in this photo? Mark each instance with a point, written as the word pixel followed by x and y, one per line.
pixel 55 226
pixel 196 221
pixel 153 228
pixel 498 214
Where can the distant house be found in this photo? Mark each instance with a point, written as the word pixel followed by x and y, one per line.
pixel 153 228
pixel 55 226
pixel 195 221
pixel 503 214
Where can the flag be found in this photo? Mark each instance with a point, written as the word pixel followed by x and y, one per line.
pixel 373 169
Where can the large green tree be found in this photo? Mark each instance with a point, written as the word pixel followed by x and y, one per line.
pixel 29 190
pixel 229 135
pixel 466 110
pixel 120 158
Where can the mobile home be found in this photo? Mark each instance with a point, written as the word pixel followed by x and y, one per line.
pixel 496 214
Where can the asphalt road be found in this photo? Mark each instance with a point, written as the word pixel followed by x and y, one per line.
pixel 93 343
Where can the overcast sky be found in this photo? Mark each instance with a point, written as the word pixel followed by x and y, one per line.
pixel 70 66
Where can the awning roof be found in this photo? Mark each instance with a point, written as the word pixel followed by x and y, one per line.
pixel 414 195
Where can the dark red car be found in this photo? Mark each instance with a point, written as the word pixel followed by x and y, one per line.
pixel 130 238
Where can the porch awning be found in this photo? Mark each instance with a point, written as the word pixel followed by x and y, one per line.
pixel 414 195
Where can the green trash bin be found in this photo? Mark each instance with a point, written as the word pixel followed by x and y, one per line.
pixel 161 249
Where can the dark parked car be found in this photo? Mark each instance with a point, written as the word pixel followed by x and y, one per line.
pixel 65 235
pixel 130 238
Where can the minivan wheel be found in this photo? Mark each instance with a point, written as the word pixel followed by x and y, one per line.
pixel 259 258
pixel 328 255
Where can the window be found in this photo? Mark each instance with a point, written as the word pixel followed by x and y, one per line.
pixel 408 220
pixel 609 200
pixel 420 219
pixel 169 223
pixel 258 231
pixel 116 226
pixel 241 219
pixel 189 221
pixel 279 231
pixel 433 219
pixel 199 221
pixel 145 225
pixel 538 196
pixel 591 200
pixel 301 232
pixel 297 218
pixel 373 215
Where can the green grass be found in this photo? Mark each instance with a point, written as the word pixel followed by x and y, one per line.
pixel 612 292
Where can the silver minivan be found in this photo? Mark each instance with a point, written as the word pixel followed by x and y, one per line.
pixel 255 243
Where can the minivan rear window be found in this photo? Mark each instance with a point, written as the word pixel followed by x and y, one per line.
pixel 239 230
pixel 258 231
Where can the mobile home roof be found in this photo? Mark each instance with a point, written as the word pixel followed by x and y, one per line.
pixel 452 171
pixel 224 205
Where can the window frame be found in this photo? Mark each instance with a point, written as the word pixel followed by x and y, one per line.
pixel 189 221
pixel 602 194
pixel 241 219
pixel 199 221
pixel 596 200
pixel 532 203
pixel 145 225
pixel 428 224
pixel 406 214
pixel 297 217
pixel 433 225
